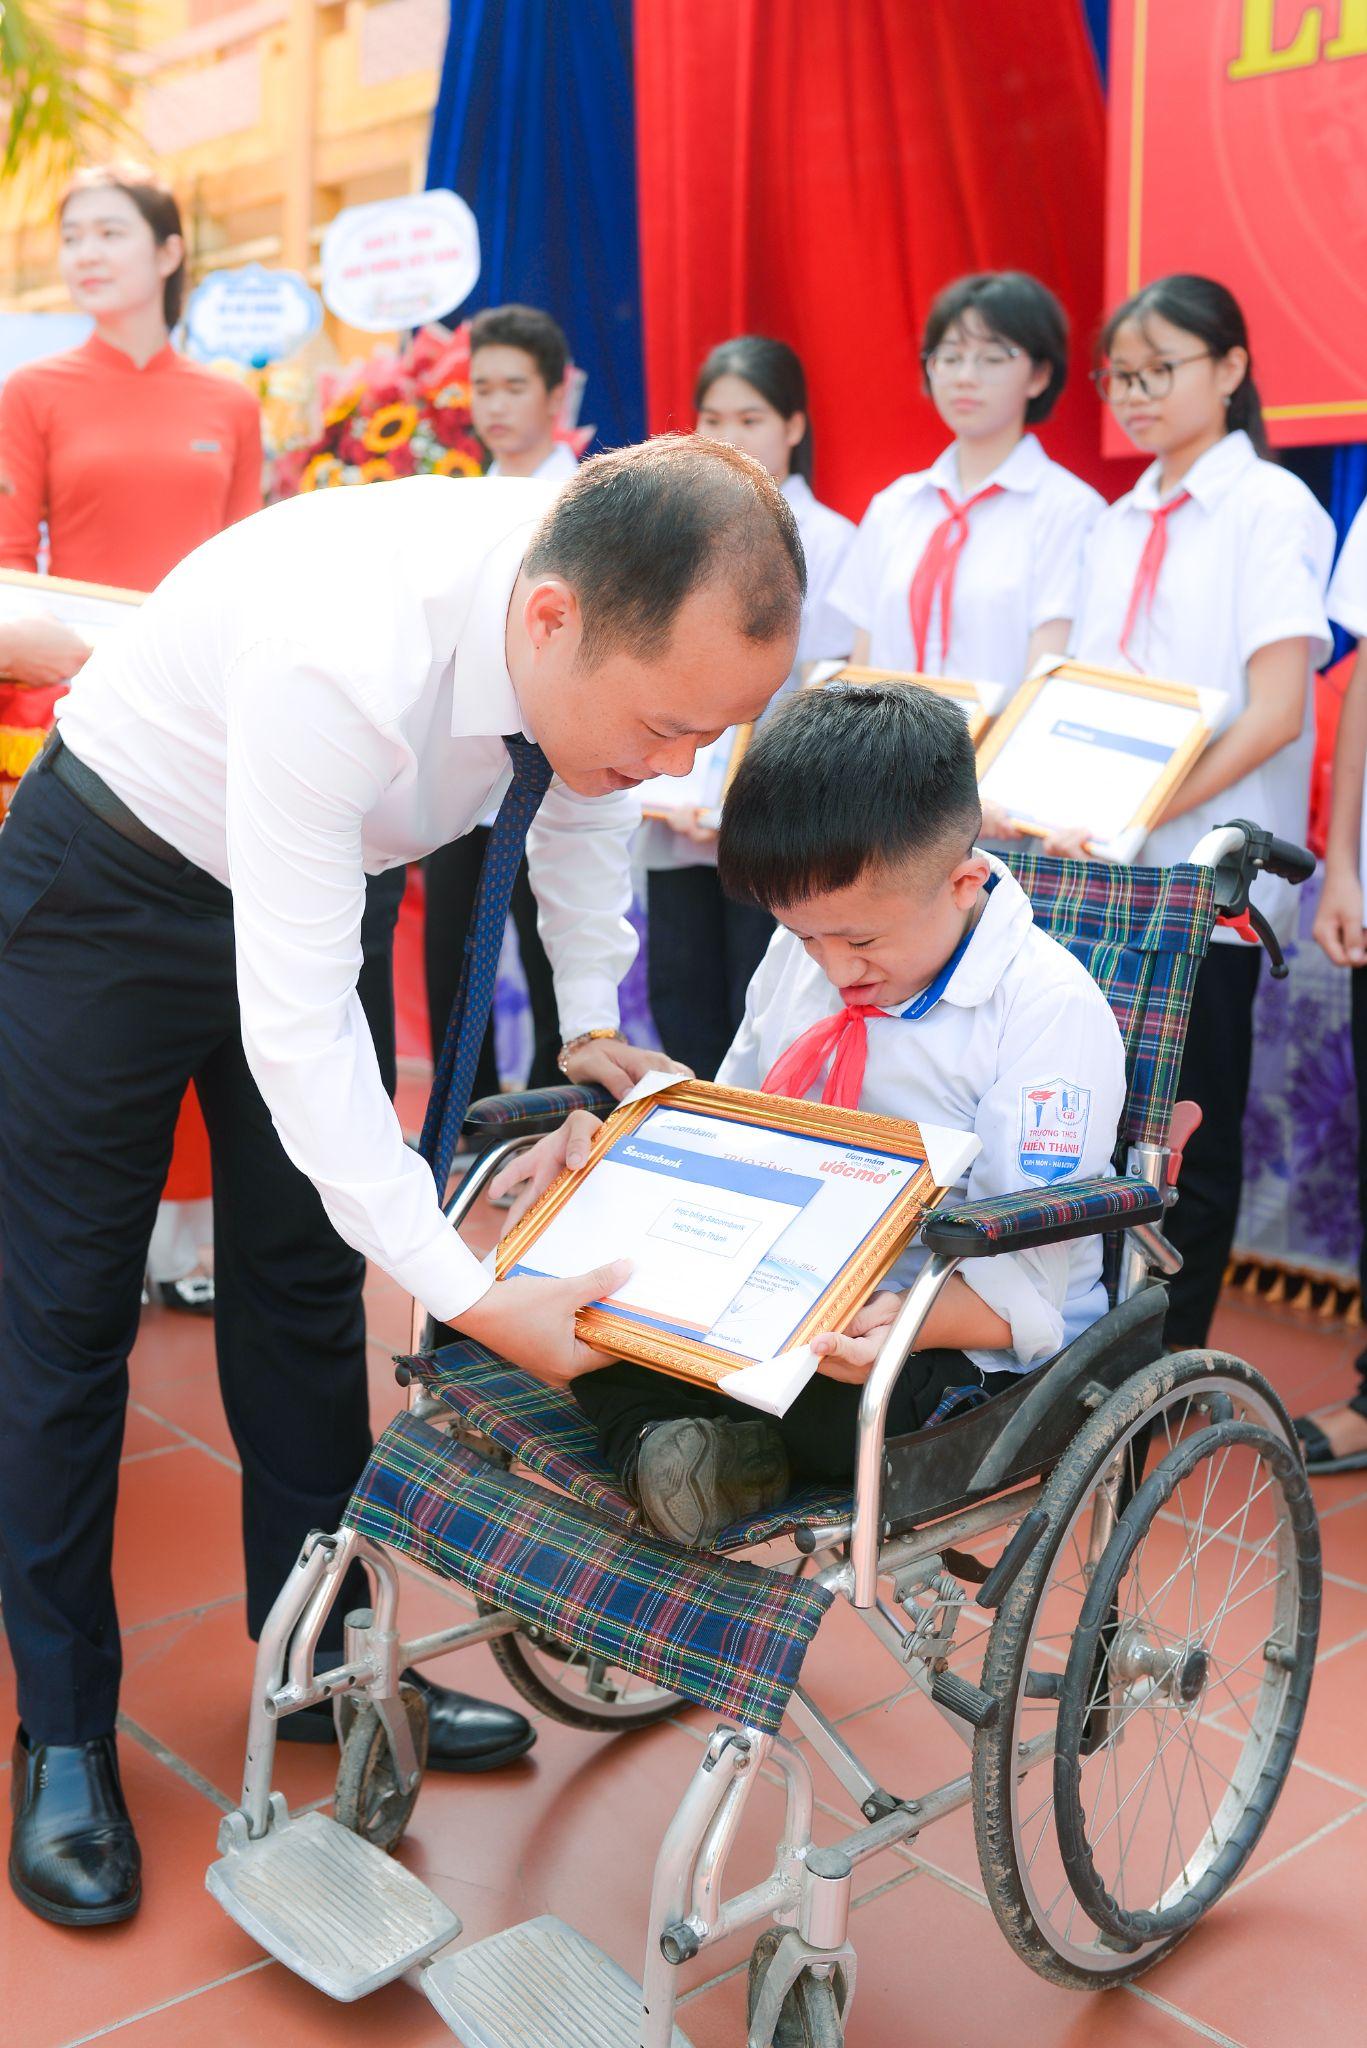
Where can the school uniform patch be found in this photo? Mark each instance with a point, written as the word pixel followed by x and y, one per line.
pixel 1053 1128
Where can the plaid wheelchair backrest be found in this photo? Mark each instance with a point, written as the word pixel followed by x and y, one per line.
pixel 1141 933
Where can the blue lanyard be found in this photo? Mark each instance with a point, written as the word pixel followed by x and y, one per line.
pixel 928 997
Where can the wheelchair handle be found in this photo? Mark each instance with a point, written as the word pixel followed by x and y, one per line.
pixel 1238 852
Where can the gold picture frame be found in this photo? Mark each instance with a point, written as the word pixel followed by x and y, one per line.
pixel 966 695
pixel 740 740
pixel 1175 770
pixel 690 1358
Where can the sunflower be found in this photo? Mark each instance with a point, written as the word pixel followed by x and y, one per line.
pixel 455 462
pixel 342 407
pixel 390 427
pixel 376 471
pixel 321 472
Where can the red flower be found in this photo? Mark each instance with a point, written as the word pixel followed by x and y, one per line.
pixel 400 460
pixel 349 447
pixel 451 425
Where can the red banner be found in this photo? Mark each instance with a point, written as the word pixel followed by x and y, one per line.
pixel 1238 148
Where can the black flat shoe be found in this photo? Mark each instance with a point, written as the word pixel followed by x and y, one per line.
pixel 1318 1452
pixel 464 1734
pixel 74 1858
pixel 190 1297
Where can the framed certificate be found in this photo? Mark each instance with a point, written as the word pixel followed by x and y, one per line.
pixel 977 701
pixel 704 787
pixel 1093 749
pixel 90 609
pixel 752 1222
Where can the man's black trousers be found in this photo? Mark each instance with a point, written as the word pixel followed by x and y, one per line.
pixel 117 986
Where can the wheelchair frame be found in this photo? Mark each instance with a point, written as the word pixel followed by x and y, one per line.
pixel 807 1894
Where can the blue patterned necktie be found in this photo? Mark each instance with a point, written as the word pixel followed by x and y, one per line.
pixel 455 1070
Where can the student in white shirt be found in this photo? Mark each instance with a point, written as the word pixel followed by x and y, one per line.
pixel 327 690
pixel 519 360
pixel 1338 1442
pixel 907 978
pixel 1210 571
pixel 702 948
pixel 971 568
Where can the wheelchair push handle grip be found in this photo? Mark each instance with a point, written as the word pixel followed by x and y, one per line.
pixel 1283 857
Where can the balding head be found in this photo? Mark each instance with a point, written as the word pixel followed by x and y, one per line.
pixel 641 529
pixel 658 604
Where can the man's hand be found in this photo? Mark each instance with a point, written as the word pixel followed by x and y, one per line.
pixel 40 652
pixel 617 1066
pixel 1338 926
pixel 849 1355
pixel 531 1322
pixel 532 1172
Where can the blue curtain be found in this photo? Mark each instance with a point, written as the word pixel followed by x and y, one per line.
pixel 534 128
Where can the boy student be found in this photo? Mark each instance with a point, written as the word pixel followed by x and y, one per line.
pixel 518 360
pixel 908 978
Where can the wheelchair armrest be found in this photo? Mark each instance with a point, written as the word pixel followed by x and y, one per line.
pixel 529 1115
pixel 1013 1223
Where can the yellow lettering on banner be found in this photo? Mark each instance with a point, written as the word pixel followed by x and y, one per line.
pixel 1257 57
pixel 1351 40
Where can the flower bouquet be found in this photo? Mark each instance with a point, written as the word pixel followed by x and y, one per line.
pixel 391 415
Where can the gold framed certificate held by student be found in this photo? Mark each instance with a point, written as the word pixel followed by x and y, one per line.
pixel 752 1222
pixel 704 787
pixel 90 609
pixel 1090 749
pixel 977 701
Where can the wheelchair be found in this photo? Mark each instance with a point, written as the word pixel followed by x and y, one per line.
pixel 1105 1581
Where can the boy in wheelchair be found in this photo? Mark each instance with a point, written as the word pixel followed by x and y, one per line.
pixel 907 977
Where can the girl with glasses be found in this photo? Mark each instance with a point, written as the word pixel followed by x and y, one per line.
pixel 970 568
pixel 701 948
pixel 1212 570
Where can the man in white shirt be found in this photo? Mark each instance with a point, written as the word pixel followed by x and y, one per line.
pixel 519 360
pixel 331 688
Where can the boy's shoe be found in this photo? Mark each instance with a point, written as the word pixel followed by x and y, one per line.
pixel 693 1478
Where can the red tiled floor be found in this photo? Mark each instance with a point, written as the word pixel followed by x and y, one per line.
pixel 575 1828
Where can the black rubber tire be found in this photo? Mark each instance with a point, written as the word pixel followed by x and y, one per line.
pixel 368 1799
pixel 511 1656
pixel 1003 1673
pixel 1284 1464
pixel 812 2015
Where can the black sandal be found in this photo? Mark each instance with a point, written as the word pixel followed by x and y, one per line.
pixel 1318 1452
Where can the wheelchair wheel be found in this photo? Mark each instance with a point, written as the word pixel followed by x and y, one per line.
pixel 1152 1660
pixel 369 1799
pixel 581 1690
pixel 812 2015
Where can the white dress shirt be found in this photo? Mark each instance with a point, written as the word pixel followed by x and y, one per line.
pixel 315 695
pixel 1019 569
pixel 1347 606
pixel 1021 1049
pixel 558 467
pixel 824 634
pixel 1245 566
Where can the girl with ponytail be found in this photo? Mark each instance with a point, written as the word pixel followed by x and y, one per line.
pixel 1212 571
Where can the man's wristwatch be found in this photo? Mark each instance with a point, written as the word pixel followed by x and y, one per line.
pixel 585 1038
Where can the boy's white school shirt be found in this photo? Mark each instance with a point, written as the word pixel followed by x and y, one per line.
pixel 825 634
pixel 1246 565
pixel 1347 606
pixel 558 467
pixel 1022 1050
pixel 1020 567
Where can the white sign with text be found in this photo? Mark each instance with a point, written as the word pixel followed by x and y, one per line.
pixel 400 262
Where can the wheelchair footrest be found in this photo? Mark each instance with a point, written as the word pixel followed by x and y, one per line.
pixel 723 1633
pixel 331 1907
pixel 540 1985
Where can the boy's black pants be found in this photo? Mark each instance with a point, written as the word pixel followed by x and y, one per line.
pixel 117 986
pixel 818 1430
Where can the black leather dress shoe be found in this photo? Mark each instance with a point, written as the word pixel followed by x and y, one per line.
pixel 74 1857
pixel 464 1734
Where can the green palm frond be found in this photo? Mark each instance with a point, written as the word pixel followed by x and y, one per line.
pixel 60 78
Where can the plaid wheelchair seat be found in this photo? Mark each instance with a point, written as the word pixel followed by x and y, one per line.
pixel 722 1633
pixel 542 1428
